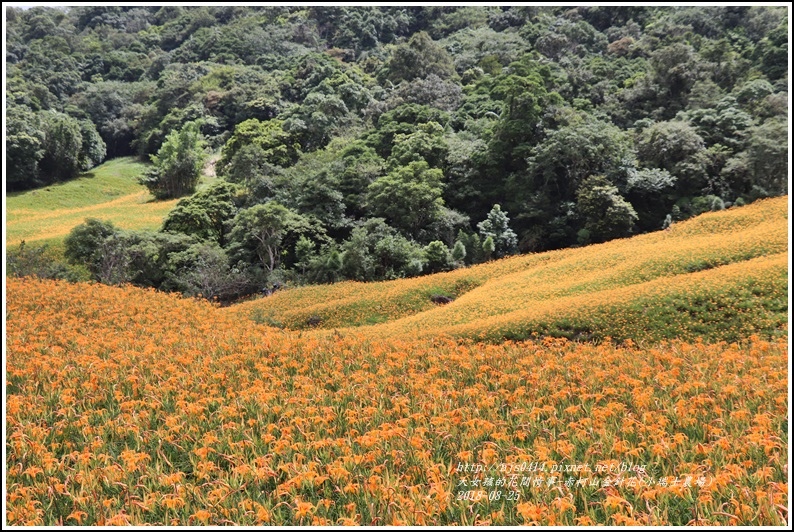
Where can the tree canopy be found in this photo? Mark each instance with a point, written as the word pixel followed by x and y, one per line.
pixel 378 142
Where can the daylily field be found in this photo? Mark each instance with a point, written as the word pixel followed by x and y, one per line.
pixel 665 405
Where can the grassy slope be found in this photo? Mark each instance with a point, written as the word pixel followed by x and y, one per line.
pixel 108 192
pixel 720 275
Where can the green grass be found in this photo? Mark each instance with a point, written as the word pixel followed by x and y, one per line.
pixel 107 182
pixel 108 192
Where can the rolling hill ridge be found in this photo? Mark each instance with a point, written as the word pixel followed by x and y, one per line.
pixel 722 275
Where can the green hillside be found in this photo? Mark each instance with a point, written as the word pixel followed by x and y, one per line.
pixel 108 192
pixel 383 142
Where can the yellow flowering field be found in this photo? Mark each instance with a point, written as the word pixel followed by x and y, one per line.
pixel 727 268
pixel 728 302
pixel 127 406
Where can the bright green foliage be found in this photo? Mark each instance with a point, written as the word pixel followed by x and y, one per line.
pixel 278 147
pixel 408 197
pixel 204 214
pixel 497 227
pixel 404 119
pixel 263 228
pixel 437 256
pixel 606 213
pixel 178 164
pixel 422 118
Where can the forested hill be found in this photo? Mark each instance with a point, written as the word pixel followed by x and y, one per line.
pixel 379 142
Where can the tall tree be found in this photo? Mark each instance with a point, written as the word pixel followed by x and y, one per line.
pixel 264 226
pixel 204 214
pixel 418 58
pixel 24 148
pixel 409 197
pixel 278 147
pixel 606 213
pixel 497 227
pixel 178 164
pixel 62 146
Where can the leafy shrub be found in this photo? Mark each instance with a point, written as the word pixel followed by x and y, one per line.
pixel 38 261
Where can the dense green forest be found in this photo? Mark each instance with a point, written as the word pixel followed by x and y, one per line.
pixel 373 143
